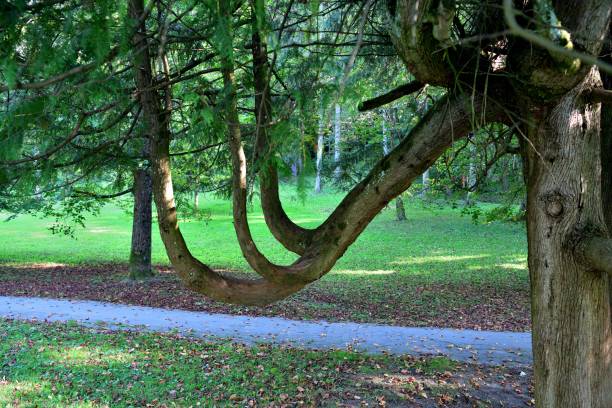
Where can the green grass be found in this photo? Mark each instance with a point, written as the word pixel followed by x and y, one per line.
pixel 57 365
pixel 434 245
pixel 436 269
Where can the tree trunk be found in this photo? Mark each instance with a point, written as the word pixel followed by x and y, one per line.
pixel 425 182
pixel 337 140
pixel 400 211
pixel 320 147
pixel 140 255
pixel 471 178
pixel 196 200
pixel 572 338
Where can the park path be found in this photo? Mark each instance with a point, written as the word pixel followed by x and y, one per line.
pixel 485 347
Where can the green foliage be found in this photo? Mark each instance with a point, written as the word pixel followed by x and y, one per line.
pixel 508 213
pixel 68 213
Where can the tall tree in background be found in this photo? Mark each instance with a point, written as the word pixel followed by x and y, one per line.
pixel 388 141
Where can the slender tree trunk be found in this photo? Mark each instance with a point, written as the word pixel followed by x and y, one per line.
pixel 196 200
pixel 400 211
pixel 337 140
pixel 320 146
pixel 426 182
pixel 471 179
pixel 140 255
pixel 572 337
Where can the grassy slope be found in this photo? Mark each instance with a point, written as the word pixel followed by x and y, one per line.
pixel 433 245
pixel 63 365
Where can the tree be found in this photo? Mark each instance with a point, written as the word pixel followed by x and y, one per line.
pixel 568 236
pixel 400 212
pixel 529 66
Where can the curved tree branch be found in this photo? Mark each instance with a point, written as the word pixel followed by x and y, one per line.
pixel 289 234
pixel 450 119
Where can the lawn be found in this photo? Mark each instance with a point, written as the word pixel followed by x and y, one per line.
pixel 62 365
pixel 438 268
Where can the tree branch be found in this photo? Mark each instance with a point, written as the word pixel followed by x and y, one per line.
pixel 104 196
pixel 391 96
pixel 599 95
pixel 75 132
pixel 597 252
pixel 58 78
pixel 516 29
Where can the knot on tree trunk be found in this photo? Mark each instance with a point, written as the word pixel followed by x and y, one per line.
pixel 554 204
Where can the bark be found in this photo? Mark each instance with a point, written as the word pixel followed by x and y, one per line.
pixel 572 337
pixel 413 37
pixel 140 254
pixel 471 178
pixel 425 182
pixel 337 140
pixel 320 147
pixel 196 200
pixel 606 143
pixel 400 212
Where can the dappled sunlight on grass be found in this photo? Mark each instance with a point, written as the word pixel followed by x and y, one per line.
pixel 37 265
pixel 364 272
pixel 518 266
pixel 11 391
pixel 106 231
pixel 82 356
pixel 441 258
pixel 14 393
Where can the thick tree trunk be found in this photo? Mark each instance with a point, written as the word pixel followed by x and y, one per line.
pixel 572 337
pixel 140 255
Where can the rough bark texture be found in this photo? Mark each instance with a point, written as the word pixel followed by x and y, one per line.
pixel 572 338
pixel 140 254
pixel 606 143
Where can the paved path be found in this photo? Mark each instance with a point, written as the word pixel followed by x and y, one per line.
pixel 463 345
